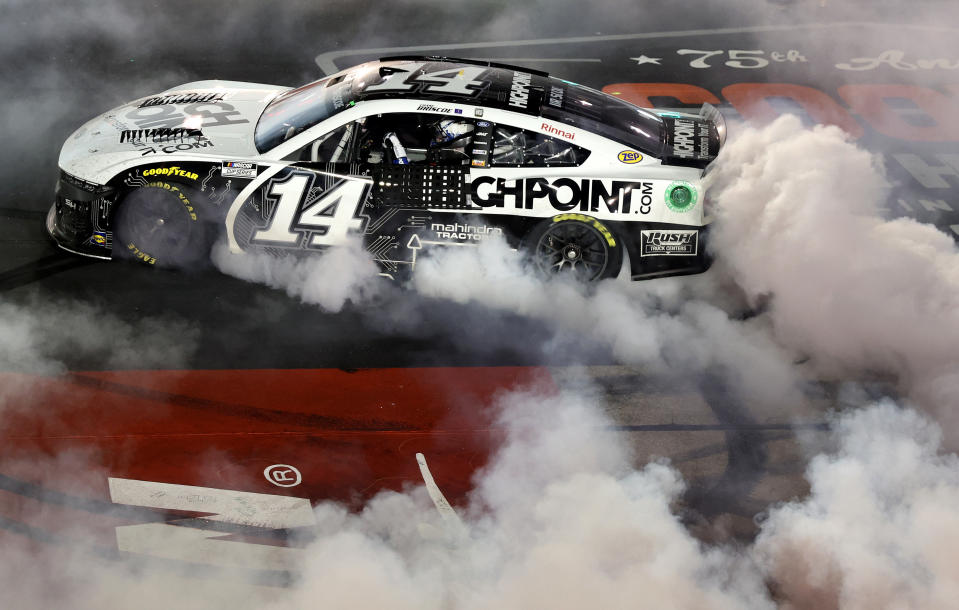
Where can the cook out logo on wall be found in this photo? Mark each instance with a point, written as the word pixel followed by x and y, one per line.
pixel 670 243
pixel 283 475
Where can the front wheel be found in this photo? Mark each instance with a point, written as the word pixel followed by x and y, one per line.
pixel 576 244
pixel 158 224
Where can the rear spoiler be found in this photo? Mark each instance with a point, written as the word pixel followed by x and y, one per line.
pixel 711 114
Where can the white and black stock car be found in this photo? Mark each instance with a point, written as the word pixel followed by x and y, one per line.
pixel 407 152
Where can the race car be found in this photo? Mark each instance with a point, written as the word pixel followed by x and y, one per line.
pixel 409 154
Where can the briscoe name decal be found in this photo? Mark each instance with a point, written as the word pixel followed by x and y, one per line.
pixel 564 194
pixel 170 171
pixel 519 90
pixel 432 108
pixel 670 243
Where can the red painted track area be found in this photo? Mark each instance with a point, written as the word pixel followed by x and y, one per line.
pixel 350 434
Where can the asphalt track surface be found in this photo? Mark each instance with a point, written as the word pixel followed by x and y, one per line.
pixel 285 370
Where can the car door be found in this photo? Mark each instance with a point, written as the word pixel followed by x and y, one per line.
pixel 313 201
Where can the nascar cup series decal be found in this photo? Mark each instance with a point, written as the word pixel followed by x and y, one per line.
pixel 238 169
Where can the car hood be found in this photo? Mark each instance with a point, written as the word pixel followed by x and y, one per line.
pixel 199 118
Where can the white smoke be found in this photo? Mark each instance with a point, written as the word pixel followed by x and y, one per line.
pixel 558 519
pixel 799 220
pixel 879 527
pixel 340 275
pixel 799 232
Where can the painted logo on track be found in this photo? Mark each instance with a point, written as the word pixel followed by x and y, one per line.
pixel 283 475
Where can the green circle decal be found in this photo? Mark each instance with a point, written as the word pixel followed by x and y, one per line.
pixel 680 196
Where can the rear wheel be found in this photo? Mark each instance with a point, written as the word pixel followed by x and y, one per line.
pixel 578 245
pixel 158 224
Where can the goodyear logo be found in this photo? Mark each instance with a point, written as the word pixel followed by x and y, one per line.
pixel 170 171
pixel 629 157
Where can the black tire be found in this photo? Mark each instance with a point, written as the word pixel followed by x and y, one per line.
pixel 577 244
pixel 158 224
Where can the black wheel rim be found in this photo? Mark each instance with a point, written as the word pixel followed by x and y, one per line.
pixel 575 248
pixel 158 224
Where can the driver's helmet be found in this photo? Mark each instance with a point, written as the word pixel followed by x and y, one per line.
pixel 448 130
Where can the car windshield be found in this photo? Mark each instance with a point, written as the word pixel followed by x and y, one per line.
pixel 610 117
pixel 299 109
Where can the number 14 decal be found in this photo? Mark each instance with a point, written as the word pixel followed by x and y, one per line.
pixel 328 220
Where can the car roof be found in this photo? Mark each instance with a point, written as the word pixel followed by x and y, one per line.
pixel 462 81
pixel 503 86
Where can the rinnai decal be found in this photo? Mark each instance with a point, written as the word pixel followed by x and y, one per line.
pixel 182 98
pixel 894 58
pixel 670 242
pixel 173 172
pixel 464 231
pixel 159 135
pixel 620 197
pixel 238 169
pixel 556 131
pixel 519 90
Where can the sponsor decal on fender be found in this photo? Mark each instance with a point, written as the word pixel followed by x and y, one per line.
pixel 464 231
pixel 99 238
pixel 238 169
pixel 160 134
pixel 171 172
pixel 625 197
pixel 183 98
pixel 629 157
pixel 680 197
pixel 670 242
